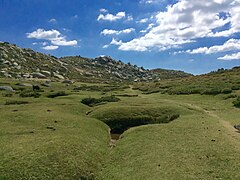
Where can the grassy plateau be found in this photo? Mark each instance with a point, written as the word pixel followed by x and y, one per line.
pixel 50 133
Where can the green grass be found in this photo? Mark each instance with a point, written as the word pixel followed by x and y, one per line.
pixel 54 138
pixel 120 118
pixel 97 101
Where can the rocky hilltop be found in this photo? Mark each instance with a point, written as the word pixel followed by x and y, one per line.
pixel 16 62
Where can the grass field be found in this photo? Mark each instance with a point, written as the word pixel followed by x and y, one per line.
pixel 61 138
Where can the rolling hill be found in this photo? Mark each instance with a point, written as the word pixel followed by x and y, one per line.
pixel 16 62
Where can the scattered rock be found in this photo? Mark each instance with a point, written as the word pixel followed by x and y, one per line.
pixel 38 75
pixel 50 127
pixel 46 73
pixel 237 126
pixel 66 81
pixel 25 84
pixel 58 76
pixel 7 88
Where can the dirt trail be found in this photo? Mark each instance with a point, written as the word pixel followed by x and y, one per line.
pixel 231 131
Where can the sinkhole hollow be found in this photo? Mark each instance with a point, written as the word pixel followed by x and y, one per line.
pixel 121 118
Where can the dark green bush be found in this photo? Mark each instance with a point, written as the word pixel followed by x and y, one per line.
pixel 7 94
pixel 230 96
pixel 57 94
pixel 94 101
pixel 29 94
pixel 235 87
pixel 12 102
pixel 226 91
pixel 236 103
pixel 212 91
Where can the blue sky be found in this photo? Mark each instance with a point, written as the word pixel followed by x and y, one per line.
pixel 194 36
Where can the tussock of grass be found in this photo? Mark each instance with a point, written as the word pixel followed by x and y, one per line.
pixel 57 94
pixel 14 102
pixel 95 101
pixel 236 103
pixel 30 94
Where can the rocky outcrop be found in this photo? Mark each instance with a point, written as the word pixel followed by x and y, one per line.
pixel 25 63
pixel 7 88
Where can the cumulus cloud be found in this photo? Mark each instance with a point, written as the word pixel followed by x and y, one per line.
pixel 40 43
pixel 129 18
pixel 51 47
pixel 235 56
pixel 115 32
pixel 113 42
pixel 230 45
pixel 54 36
pixel 102 10
pixel 42 34
pixel 111 17
pixel 144 20
pixel 150 1
pixel 185 22
pixel 53 20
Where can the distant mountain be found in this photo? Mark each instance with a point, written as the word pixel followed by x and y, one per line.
pixel 170 74
pixel 16 62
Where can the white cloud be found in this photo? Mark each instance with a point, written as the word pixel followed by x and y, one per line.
pixel 129 18
pixel 53 20
pixel 75 16
pixel 150 1
pixel 143 20
pixel 235 56
pixel 230 45
pixel 112 32
pixel 105 46
pixel 113 42
pixel 111 17
pixel 103 10
pixel 54 36
pixel 185 22
pixel 42 34
pixel 50 47
pixel 40 43
pixel 63 42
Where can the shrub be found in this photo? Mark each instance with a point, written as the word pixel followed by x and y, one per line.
pixel 94 101
pixel 57 94
pixel 235 87
pixel 29 94
pixel 236 103
pixel 12 102
pixel 7 94
pixel 230 96
pixel 212 91
pixel 226 91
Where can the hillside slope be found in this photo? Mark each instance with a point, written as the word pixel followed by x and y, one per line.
pixel 221 81
pixel 16 62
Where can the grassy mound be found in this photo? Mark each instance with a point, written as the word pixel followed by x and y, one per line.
pixel 121 118
pixel 95 101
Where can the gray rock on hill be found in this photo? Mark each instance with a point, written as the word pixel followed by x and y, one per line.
pixel 7 88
